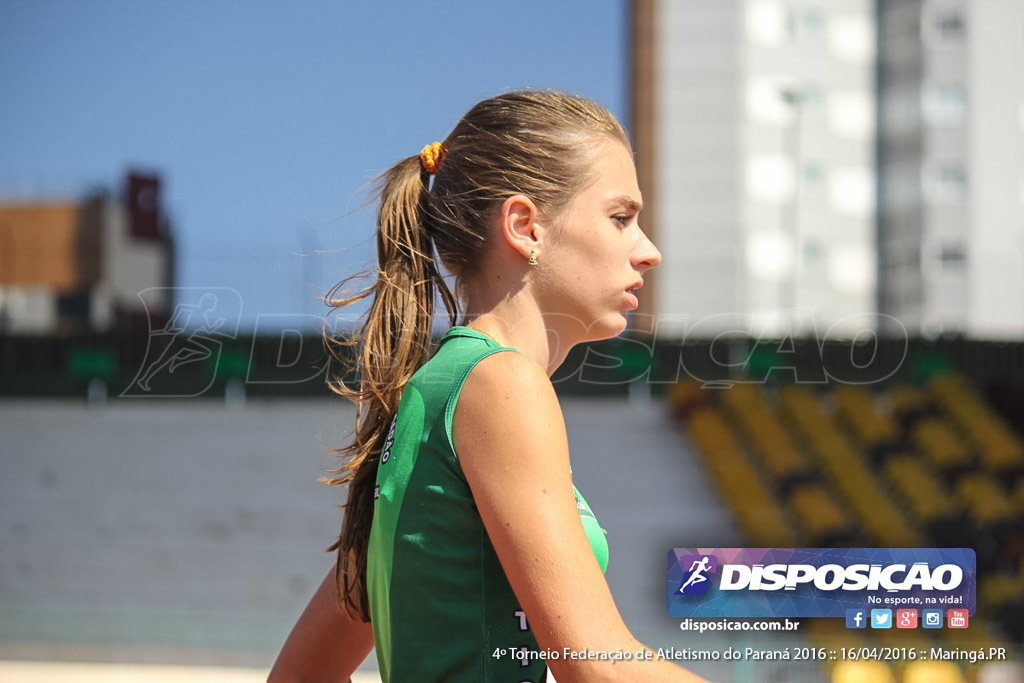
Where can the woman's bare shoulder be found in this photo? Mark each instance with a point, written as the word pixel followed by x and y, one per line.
pixel 507 389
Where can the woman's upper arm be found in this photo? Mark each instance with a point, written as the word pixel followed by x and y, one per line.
pixel 510 438
pixel 326 644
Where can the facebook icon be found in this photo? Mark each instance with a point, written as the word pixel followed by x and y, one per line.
pixel 856 618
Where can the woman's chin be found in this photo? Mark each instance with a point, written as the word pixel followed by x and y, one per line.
pixel 609 326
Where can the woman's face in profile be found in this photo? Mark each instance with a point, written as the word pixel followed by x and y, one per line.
pixel 594 258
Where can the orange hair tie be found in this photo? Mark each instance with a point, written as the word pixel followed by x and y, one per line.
pixel 431 157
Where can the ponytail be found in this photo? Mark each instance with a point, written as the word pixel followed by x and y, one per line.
pixel 393 342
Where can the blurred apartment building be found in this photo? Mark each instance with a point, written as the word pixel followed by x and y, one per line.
pixel 825 167
pixel 754 123
pixel 951 166
pixel 80 266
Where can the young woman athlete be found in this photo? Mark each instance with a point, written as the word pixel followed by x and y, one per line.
pixel 466 553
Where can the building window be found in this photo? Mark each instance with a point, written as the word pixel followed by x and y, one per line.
pixel 851 39
pixel 946 183
pixel 944 104
pixel 813 251
pixel 852 191
pixel 951 255
pixel 767 23
pixel 810 22
pixel 950 26
pixel 814 21
pixel 851 115
pixel 790 25
pixel 811 94
pixel 946 28
pixel 953 176
pixel 814 174
pixel 770 178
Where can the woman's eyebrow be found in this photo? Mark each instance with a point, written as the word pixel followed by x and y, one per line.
pixel 627 202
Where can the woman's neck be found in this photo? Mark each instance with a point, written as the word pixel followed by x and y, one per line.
pixel 516 322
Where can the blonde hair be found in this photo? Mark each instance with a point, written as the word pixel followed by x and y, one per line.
pixel 536 143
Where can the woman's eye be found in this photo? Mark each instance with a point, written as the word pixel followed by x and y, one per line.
pixel 622 218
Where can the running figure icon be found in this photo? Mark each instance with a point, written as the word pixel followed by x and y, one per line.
pixel 186 348
pixel 202 321
pixel 697 571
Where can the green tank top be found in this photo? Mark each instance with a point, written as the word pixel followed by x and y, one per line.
pixel 441 606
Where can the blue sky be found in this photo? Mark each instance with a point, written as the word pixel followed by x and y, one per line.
pixel 266 118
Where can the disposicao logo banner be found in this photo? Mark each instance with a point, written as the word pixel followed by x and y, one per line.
pixel 817 582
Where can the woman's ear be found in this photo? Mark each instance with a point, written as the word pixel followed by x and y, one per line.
pixel 519 228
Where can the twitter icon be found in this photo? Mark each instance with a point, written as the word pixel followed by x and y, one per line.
pixel 881 618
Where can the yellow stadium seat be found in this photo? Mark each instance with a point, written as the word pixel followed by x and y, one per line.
pixel 862 672
pixel 907 400
pixel 985 499
pixel 1018 495
pixel 1000 448
pixel 819 515
pixel 758 511
pixel 768 439
pixel 932 672
pixel 941 445
pixel 856 406
pixel 924 493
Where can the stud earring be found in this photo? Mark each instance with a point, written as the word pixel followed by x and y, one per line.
pixel 533 257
